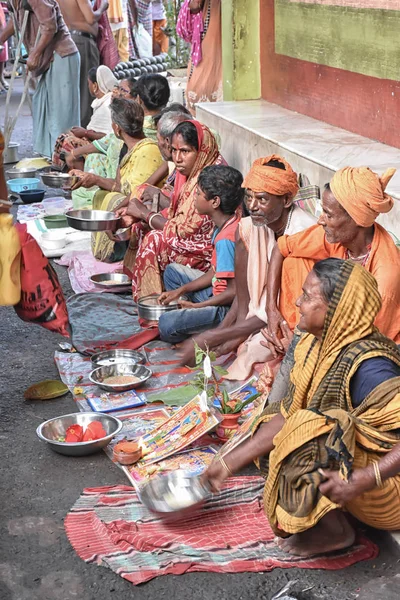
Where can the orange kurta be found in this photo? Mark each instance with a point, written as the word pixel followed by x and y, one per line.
pixel 303 249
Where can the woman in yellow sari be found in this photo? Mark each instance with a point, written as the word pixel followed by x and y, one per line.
pixel 140 158
pixel 332 444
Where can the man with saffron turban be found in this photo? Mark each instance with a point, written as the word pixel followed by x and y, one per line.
pixel 271 186
pixel 346 229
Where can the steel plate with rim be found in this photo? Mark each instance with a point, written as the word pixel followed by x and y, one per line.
pixel 111 280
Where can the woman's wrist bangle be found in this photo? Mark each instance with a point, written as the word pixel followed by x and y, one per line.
pixel 378 476
pixel 223 463
pixel 151 217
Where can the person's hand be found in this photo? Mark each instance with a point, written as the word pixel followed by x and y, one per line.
pixel 342 492
pixel 285 340
pixel 148 194
pixel 215 475
pixel 125 220
pixel 136 209
pixel 187 304
pixel 86 180
pixel 70 159
pixel 33 61
pixel 79 132
pixel 274 329
pixel 171 296
pixel 77 173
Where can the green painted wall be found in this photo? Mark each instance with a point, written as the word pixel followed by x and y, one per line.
pixel 359 40
pixel 241 49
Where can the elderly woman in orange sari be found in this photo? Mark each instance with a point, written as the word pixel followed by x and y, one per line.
pixel 346 229
pixel 179 233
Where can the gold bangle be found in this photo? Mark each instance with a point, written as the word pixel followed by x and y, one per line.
pixel 223 463
pixel 378 476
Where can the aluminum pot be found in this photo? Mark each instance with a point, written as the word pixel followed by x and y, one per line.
pixel 11 153
pixel 151 310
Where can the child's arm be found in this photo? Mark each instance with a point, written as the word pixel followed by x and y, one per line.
pixel 225 298
pixel 202 282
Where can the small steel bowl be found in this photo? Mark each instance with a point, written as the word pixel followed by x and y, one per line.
pixel 149 309
pixel 21 173
pixel 92 220
pixel 121 235
pixel 98 376
pixel 175 495
pixel 111 280
pixel 118 356
pixel 50 430
pixel 58 180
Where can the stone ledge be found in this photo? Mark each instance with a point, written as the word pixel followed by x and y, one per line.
pixel 254 128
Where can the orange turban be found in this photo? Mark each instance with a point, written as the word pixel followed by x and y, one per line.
pixel 262 178
pixel 361 192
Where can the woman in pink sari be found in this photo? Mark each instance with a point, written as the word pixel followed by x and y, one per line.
pixel 178 233
pixel 199 23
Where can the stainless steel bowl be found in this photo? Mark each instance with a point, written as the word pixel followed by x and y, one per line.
pixel 118 356
pixel 151 310
pixel 111 280
pixel 121 235
pixel 174 495
pixel 92 220
pixel 21 173
pixel 52 429
pixel 98 376
pixel 58 180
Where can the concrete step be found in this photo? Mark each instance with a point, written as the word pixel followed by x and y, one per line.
pixel 255 128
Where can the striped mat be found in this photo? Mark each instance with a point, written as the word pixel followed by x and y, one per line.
pixel 108 526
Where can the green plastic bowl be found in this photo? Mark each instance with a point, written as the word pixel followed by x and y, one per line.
pixel 55 221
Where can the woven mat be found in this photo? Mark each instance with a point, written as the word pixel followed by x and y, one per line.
pixel 109 527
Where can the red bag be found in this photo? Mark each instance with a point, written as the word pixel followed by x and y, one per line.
pixel 42 299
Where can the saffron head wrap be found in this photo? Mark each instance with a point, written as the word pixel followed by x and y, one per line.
pixel 263 178
pixel 361 193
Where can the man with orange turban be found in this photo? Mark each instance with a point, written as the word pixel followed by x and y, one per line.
pixel 351 202
pixel 271 186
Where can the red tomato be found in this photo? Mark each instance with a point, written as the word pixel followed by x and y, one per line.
pixel 94 431
pixel 74 433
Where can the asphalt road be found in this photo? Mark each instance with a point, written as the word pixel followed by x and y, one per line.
pixel 38 487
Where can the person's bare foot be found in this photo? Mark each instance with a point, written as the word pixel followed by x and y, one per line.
pixel 332 533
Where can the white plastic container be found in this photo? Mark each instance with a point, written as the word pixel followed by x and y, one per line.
pixel 53 240
pixel 54 206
